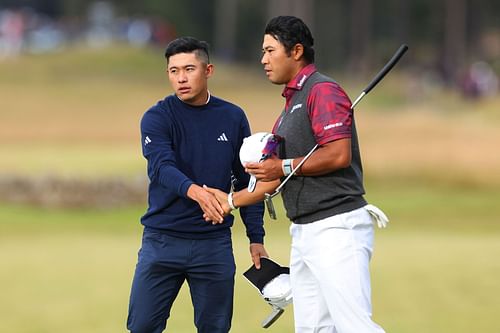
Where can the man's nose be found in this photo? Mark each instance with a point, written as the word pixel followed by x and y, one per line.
pixel 182 78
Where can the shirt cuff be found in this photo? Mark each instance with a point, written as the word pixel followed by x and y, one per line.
pixel 183 188
pixel 256 239
pixel 330 138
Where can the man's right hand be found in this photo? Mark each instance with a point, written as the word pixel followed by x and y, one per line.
pixel 212 210
pixel 221 198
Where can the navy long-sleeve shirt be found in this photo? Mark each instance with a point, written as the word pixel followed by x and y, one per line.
pixel 186 145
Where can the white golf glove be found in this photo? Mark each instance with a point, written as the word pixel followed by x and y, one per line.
pixel 377 215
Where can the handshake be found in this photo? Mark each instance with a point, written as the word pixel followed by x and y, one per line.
pixel 215 205
pixel 258 157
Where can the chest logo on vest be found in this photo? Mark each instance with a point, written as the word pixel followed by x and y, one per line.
pixel 295 107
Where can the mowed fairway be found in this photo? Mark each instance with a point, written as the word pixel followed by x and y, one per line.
pixel 430 163
pixel 70 270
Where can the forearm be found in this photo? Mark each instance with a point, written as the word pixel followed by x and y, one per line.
pixel 245 198
pixel 172 178
pixel 318 165
pixel 252 217
pixel 325 159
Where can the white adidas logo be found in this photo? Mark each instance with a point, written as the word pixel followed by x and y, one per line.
pixel 222 137
pixel 147 140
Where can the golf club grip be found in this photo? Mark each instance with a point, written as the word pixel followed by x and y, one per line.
pixel 395 58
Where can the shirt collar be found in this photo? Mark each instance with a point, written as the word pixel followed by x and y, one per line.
pixel 298 81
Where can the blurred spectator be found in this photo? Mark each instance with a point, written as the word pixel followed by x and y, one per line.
pixel 23 29
pixel 163 32
pixel 11 33
pixel 42 34
pixel 480 80
pixel 139 32
pixel 101 19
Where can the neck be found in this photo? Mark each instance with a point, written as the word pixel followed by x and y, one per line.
pixel 300 66
pixel 199 101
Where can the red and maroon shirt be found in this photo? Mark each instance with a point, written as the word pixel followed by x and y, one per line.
pixel 328 106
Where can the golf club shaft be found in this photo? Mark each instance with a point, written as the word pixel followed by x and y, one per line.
pixel 294 170
pixel 380 75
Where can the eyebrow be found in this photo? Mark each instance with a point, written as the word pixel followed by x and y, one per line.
pixel 177 67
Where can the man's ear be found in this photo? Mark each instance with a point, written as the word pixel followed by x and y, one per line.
pixel 297 51
pixel 209 70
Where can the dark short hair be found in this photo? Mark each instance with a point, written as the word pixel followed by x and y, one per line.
pixel 188 45
pixel 289 31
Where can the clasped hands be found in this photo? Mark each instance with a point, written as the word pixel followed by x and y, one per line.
pixel 215 205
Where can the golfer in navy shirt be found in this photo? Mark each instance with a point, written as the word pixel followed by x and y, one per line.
pixel 190 139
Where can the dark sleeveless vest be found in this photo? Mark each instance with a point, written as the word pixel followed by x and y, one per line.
pixel 311 198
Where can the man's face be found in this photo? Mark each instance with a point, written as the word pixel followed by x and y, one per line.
pixel 279 66
pixel 188 76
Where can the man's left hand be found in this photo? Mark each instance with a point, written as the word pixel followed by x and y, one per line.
pixel 268 170
pixel 257 251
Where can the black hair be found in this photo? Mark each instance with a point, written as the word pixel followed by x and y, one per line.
pixel 289 31
pixel 188 45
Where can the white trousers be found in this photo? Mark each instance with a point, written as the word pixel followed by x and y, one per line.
pixel 330 277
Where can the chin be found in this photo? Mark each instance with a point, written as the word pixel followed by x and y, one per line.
pixel 185 98
pixel 275 81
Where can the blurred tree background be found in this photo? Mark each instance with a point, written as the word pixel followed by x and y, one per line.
pixel 445 36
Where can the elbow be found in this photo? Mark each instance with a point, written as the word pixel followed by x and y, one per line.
pixel 344 161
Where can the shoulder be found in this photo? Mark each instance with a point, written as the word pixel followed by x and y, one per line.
pixel 327 96
pixel 217 101
pixel 227 107
pixel 164 106
pixel 161 110
pixel 328 88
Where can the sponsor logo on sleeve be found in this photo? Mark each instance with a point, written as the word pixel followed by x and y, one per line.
pixel 329 126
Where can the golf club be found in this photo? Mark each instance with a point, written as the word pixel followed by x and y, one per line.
pixel 388 66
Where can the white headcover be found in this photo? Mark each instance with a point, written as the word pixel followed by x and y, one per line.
pixel 252 150
pixel 253 147
pixel 273 283
pixel 278 291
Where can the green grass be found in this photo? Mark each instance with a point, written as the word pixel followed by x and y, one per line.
pixel 422 205
pixel 435 269
pixel 436 281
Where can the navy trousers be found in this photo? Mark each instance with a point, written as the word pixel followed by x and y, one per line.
pixel 164 264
